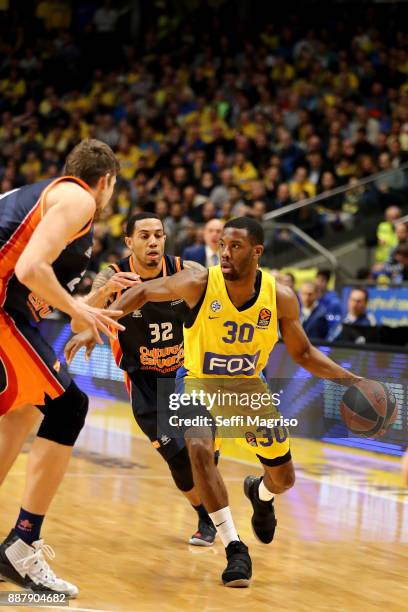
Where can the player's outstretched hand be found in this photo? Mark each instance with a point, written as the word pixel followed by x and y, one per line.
pixel 122 280
pixel 405 467
pixel 95 320
pixel 73 345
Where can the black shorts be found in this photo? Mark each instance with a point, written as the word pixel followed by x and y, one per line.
pixel 144 405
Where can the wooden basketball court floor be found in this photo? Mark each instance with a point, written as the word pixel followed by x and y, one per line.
pixel 120 529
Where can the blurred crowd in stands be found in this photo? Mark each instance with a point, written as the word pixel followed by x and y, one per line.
pixel 327 317
pixel 321 311
pixel 209 125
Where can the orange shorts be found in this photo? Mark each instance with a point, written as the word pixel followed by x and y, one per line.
pixel 29 368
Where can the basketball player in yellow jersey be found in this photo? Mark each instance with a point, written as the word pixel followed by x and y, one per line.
pixel 235 312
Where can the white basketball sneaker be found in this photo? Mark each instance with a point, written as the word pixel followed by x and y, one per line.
pixel 26 566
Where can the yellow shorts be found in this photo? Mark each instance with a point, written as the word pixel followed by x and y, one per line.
pixel 239 408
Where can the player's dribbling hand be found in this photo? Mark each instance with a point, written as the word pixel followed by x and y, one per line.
pixel 73 345
pixel 405 468
pixel 94 319
pixel 122 280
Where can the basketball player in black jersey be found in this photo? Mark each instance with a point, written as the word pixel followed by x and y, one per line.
pixel 150 347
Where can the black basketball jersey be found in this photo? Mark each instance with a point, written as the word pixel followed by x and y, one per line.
pixel 152 346
pixel 20 212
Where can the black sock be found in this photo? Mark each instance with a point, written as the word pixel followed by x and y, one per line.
pixel 202 513
pixel 28 526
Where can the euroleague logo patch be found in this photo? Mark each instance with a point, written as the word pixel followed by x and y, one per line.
pixel 264 317
pixel 251 438
pixel 216 306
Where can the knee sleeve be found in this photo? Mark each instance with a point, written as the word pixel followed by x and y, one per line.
pixel 64 416
pixel 180 468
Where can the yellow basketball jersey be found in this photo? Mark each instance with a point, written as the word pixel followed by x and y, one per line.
pixel 224 341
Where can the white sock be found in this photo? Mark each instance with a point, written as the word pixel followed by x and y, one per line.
pixel 224 524
pixel 264 493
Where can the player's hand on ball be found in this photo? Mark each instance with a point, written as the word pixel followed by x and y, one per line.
pixel 86 339
pixel 405 468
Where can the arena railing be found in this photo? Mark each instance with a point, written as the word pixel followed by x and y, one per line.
pixel 300 246
pixel 284 210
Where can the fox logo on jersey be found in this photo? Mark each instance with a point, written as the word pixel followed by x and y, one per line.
pixel 230 365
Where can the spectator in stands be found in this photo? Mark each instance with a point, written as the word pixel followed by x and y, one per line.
pixel 357 313
pixel 288 279
pixel 243 171
pixel 308 219
pixel 396 272
pixel 283 196
pixel 327 183
pixel 353 198
pixel 301 184
pixel 316 167
pixel 313 315
pixel 207 253
pixel 390 187
pixel 258 210
pixel 328 298
pixel 401 232
pixel 219 195
pixel 175 226
pixel 386 236
pixel 289 152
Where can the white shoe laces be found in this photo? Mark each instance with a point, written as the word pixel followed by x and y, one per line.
pixel 35 564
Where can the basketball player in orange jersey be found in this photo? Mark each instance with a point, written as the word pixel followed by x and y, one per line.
pixel 235 313
pixel 45 246
pixel 150 348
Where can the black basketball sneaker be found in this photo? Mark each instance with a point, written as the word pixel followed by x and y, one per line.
pixel 263 519
pixel 26 566
pixel 238 572
pixel 205 534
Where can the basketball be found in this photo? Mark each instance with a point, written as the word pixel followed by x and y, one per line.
pixel 368 408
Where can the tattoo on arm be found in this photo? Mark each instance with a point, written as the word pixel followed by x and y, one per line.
pixel 97 297
pixel 102 278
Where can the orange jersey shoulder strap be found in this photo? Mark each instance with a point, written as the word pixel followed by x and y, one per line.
pixel 71 179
